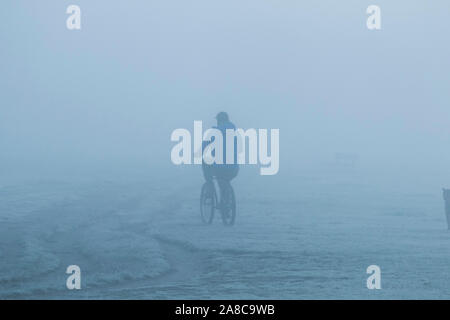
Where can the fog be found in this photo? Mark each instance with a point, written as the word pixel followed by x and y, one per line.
pixel 100 103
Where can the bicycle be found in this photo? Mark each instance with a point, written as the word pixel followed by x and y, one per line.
pixel 209 202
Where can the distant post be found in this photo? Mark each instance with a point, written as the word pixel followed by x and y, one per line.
pixel 446 194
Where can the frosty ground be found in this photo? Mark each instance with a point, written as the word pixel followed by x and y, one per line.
pixel 306 236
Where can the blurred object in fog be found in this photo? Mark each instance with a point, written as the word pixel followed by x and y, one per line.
pixel 446 194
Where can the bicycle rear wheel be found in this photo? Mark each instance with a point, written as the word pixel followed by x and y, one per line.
pixel 208 201
pixel 228 209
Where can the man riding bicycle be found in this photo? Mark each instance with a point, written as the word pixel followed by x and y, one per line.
pixel 223 172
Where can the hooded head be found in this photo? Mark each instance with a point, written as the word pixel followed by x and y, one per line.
pixel 222 117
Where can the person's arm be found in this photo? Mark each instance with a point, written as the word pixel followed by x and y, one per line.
pixel 199 151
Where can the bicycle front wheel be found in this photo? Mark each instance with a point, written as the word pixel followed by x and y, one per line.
pixel 228 209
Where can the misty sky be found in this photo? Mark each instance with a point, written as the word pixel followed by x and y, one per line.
pixel 112 92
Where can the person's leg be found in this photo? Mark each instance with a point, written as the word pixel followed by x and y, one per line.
pixel 219 174
pixel 224 175
pixel 208 172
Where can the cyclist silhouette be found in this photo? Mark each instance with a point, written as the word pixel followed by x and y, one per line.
pixel 223 172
